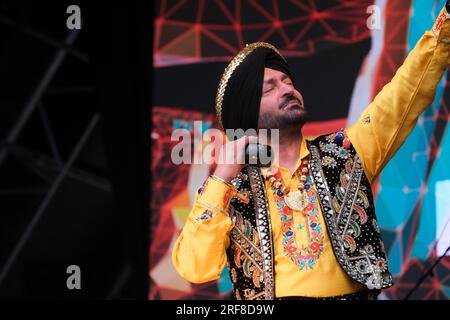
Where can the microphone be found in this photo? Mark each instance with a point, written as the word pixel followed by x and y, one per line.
pixel 258 154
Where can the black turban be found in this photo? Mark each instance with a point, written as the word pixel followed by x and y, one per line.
pixel 239 92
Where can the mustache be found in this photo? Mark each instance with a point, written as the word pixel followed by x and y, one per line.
pixel 286 100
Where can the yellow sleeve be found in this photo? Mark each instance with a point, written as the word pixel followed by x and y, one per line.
pixel 199 254
pixel 386 123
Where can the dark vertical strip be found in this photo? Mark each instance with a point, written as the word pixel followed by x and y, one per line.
pixel 121 41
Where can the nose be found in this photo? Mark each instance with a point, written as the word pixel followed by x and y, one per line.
pixel 287 90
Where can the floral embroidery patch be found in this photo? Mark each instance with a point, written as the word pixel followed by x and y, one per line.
pixel 329 162
pixel 233 275
pixel 306 256
pixel 243 196
pixel 203 187
pixel 342 153
pixel 381 265
pixel 363 266
pixel 206 215
pixel 328 147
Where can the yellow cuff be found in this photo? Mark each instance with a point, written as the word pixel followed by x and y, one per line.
pixel 215 194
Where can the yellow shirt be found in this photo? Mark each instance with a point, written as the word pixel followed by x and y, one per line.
pixel 325 277
pixel 199 254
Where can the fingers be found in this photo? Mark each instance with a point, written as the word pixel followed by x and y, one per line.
pixel 247 139
pixel 233 151
pixel 239 149
pixel 252 139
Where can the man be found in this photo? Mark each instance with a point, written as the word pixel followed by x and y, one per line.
pixel 305 228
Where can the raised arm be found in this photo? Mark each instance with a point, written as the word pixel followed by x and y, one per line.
pixel 386 123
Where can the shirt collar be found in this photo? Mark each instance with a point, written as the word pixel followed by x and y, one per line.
pixel 303 153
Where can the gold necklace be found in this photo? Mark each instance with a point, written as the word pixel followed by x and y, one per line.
pixel 298 199
pixel 305 257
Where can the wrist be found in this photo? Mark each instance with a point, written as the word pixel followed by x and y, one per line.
pixel 221 180
pixel 224 175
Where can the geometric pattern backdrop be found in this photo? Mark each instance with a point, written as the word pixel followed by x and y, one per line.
pixel 330 50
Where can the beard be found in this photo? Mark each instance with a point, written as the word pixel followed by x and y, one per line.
pixel 288 115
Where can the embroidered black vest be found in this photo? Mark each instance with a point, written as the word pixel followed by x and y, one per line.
pixel 349 213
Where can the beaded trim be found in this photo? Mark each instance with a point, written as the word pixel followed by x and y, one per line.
pixel 327 209
pixel 349 196
pixel 329 213
pixel 264 229
pixel 357 267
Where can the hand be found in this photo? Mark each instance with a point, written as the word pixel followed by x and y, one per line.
pixel 232 157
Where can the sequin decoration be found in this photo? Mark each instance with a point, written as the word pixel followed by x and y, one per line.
pixel 328 147
pixel 381 265
pixel 339 138
pixel 342 153
pixel 363 267
pixel 375 226
pixel 328 162
pixel 233 275
pixel 243 196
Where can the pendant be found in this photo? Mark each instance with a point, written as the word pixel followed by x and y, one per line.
pixel 297 200
pixel 268 171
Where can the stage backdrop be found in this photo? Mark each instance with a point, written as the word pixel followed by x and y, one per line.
pixel 339 65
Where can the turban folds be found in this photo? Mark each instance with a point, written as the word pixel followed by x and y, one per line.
pixel 240 88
